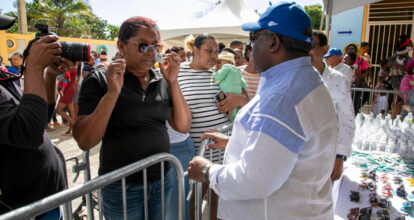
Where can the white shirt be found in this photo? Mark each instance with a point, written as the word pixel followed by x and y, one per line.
pixel 341 97
pixel 380 104
pixel 346 71
pixel 175 136
pixel 280 157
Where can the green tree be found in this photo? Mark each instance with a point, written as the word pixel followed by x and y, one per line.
pixel 315 14
pixel 112 31
pixel 76 27
pixel 98 28
pixel 83 23
pixel 15 27
pixel 57 12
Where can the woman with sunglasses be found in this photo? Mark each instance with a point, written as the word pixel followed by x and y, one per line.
pixel 126 106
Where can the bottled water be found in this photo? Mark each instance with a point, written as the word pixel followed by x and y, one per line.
pixel 384 134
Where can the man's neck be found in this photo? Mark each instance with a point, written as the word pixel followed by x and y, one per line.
pixel 319 65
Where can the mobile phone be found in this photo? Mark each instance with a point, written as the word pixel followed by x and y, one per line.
pixel 220 96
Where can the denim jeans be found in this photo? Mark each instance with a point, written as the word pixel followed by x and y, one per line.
pixel 184 151
pixel 112 199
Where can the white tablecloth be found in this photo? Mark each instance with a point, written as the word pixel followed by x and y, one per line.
pixel 350 181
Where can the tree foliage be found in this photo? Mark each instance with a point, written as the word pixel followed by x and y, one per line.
pixel 315 14
pixel 112 31
pixel 15 27
pixel 69 18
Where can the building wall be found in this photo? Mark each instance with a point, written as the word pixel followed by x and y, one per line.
pixel 350 20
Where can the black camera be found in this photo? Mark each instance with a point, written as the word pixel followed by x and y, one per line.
pixel 70 50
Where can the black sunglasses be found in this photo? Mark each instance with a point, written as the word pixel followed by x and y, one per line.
pixel 253 35
pixel 143 47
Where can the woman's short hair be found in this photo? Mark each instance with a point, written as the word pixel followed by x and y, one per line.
pixel 18 54
pixel 199 41
pixel 131 26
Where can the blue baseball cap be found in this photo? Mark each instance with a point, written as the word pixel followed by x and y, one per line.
pixel 333 51
pixel 288 19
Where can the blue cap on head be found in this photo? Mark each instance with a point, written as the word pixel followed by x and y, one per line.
pixel 333 51
pixel 288 19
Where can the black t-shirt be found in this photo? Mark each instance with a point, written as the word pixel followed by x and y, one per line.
pixel 136 128
pixel 29 167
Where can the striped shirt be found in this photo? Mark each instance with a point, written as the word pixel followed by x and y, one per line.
pixel 199 89
pixel 252 80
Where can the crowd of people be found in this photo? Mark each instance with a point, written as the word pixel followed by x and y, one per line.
pixel 287 93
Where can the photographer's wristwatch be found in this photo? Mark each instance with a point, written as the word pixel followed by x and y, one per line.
pixel 204 172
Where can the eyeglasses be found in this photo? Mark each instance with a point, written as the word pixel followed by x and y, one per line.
pixel 253 35
pixel 143 47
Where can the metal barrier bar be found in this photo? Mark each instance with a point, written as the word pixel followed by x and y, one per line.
pixel 87 200
pixel 87 177
pixel 381 91
pixel 198 197
pixel 124 200
pixel 55 200
pixel 209 192
pixel 145 194
pixel 359 93
pixel 100 204
pixel 162 191
pixel 67 207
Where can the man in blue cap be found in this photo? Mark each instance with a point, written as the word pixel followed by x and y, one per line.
pixel 334 60
pixel 280 157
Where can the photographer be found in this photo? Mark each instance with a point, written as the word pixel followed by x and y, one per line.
pixel 29 167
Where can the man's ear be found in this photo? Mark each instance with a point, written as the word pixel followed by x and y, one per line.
pixel 275 45
pixel 325 49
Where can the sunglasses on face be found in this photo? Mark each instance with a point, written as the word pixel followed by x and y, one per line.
pixel 143 47
pixel 253 35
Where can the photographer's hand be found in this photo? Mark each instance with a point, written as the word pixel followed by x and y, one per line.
pixel 42 53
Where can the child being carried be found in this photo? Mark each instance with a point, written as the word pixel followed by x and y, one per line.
pixel 229 77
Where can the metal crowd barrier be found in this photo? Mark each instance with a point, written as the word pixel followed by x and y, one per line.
pixel 198 197
pixel 87 200
pixel 364 96
pixel 37 208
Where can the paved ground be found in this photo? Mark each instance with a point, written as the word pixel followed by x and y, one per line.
pixel 69 148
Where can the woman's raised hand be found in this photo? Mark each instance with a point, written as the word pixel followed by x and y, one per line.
pixel 115 76
pixel 170 72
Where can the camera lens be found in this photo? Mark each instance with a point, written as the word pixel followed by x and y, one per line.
pixel 76 51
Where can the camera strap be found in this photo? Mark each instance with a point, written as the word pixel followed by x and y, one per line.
pixel 6 81
pixel 7 76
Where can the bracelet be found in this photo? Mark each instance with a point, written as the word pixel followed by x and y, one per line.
pixel 204 172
